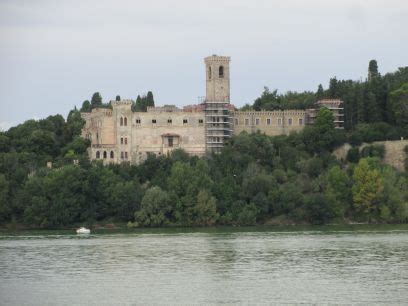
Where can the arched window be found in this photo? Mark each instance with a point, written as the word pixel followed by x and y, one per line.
pixel 209 73
pixel 125 121
pixel 105 154
pixel 121 121
pixel 221 71
pixel 98 154
pixel 111 154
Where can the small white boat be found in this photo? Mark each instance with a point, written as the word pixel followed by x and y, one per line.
pixel 83 230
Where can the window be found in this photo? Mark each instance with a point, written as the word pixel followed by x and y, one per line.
pixel 279 121
pixel 236 121
pixel 98 154
pixel 111 154
pixel 105 154
pixel 246 121
pixel 138 121
pixel 289 121
pixel 125 121
pixel 257 121
pixel 153 120
pixel 121 140
pixel 200 121
pixel 169 121
pixel 268 121
pixel 122 155
pixel 221 71
pixel 121 121
pixel 209 73
pixel 126 155
pixel 170 141
pixel 300 121
pixel 185 121
pixel 125 140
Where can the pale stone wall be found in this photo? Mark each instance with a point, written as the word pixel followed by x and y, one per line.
pixel 130 136
pixel 186 128
pixel 269 122
pixel 100 129
pixel 394 152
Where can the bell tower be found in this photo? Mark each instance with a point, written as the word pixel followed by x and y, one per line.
pixel 217 79
pixel 218 122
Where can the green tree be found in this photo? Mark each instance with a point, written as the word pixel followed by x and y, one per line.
pixel 125 198
pixel 247 215
pixel 320 92
pixel 86 107
pixel 155 208
pixel 319 211
pixel 338 191
pixel 96 100
pixel 4 142
pixel 205 209
pixel 372 69
pixel 138 107
pixel 5 207
pixel 73 126
pixel 149 99
pixel 367 188
pixel 399 107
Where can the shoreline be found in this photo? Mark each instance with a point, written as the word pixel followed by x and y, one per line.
pixel 261 227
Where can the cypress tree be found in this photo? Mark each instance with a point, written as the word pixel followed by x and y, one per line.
pixel 372 70
pixel 96 100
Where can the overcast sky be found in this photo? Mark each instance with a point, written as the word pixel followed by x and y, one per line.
pixel 55 54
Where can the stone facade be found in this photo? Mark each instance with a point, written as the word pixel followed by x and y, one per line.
pixel 217 78
pixel 269 122
pixel 121 135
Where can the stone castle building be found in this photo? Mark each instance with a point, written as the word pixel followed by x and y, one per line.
pixel 121 135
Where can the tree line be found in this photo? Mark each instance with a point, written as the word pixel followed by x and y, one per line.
pixel 378 99
pixel 139 105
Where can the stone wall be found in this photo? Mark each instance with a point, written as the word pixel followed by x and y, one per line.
pixel 122 135
pixel 394 152
pixel 271 123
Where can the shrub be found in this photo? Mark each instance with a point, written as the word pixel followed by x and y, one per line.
pixel 376 150
pixel 353 155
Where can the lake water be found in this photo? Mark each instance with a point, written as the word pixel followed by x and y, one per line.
pixel 323 265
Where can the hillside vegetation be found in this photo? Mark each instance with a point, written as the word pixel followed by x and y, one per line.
pixel 256 179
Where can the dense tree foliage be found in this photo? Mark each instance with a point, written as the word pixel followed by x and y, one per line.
pixel 256 179
pixel 274 101
pixel 96 102
pixel 379 99
pixel 141 103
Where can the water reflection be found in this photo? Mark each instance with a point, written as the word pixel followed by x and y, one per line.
pixel 213 266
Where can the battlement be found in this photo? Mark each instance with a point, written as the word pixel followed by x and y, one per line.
pixel 274 113
pixel 329 102
pixel 217 58
pixel 163 109
pixel 121 102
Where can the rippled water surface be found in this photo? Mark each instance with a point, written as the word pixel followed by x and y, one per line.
pixel 299 265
